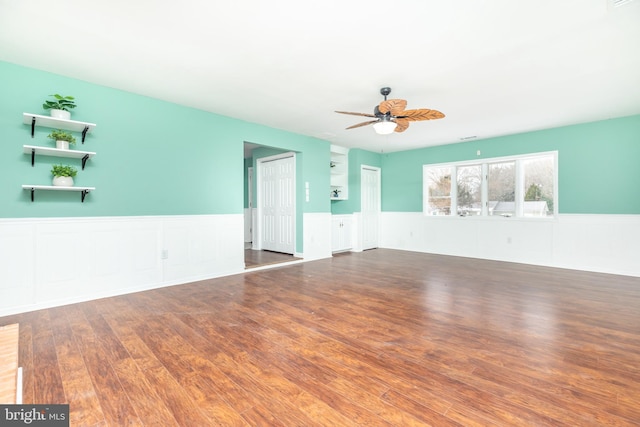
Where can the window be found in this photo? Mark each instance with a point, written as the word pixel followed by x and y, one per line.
pixel 520 186
pixel 439 185
pixel 469 194
pixel 539 186
pixel 501 186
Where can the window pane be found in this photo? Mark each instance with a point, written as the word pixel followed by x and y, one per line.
pixel 538 186
pixel 469 180
pixel 501 184
pixel 439 198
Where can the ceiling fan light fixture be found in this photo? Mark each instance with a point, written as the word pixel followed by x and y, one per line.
pixel 384 126
pixel 391 116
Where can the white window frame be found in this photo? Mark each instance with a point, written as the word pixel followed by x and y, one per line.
pixel 519 196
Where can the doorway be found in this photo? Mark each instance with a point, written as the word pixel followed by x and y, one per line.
pixel 370 206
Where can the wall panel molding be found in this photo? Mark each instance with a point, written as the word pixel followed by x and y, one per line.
pixel 55 261
pixel 597 243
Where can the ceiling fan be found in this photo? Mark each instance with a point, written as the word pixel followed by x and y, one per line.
pixel 390 115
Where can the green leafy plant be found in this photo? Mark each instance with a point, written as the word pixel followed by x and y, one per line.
pixel 63 170
pixel 61 135
pixel 65 103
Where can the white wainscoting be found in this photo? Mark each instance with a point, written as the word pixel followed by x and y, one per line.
pixel 46 262
pixel 599 243
pixel 316 236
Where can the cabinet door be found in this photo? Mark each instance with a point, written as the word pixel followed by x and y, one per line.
pixel 346 234
pixel 341 234
pixel 336 234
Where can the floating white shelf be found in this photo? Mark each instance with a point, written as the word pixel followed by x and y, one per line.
pixel 32 188
pixel 53 122
pixel 56 152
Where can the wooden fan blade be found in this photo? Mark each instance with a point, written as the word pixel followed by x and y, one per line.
pixel 356 114
pixel 363 124
pixel 393 106
pixel 403 124
pixel 421 114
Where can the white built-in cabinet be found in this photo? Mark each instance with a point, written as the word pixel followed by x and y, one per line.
pixel 56 123
pixel 339 173
pixel 341 228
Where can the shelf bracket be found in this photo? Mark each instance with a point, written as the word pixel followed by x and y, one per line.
pixel 84 194
pixel 84 160
pixel 33 126
pixel 84 133
pixel 33 156
pixel 33 190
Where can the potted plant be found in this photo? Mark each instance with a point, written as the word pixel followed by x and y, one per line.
pixel 62 138
pixel 61 107
pixel 63 175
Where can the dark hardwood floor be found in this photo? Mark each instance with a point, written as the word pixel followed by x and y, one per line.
pixel 253 258
pixel 379 338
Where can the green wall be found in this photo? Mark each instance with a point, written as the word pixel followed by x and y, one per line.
pixel 159 158
pixel 357 158
pixel 597 166
pixel 153 157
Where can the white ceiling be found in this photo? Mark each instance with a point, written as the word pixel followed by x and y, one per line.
pixel 494 67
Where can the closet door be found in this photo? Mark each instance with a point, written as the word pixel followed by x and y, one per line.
pixel 370 205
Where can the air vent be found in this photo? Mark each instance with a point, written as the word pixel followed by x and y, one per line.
pixel 618 3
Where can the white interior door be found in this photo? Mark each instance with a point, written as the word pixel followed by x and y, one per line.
pixel 370 205
pixel 277 204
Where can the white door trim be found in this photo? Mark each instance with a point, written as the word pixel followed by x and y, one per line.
pixel 248 232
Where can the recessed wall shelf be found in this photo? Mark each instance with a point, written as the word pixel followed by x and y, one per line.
pixel 84 190
pixel 53 122
pixel 56 152
pixel 339 173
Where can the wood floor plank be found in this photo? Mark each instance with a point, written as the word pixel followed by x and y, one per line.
pixel 330 354
pixel 204 393
pixel 236 364
pixel 145 400
pixel 362 389
pixel 553 404
pixel 175 398
pixel 9 354
pixel 209 375
pixel 48 386
pixel 176 356
pixel 377 338
pixel 116 407
pixel 25 361
pixel 255 258
pixel 271 364
pixel 78 387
